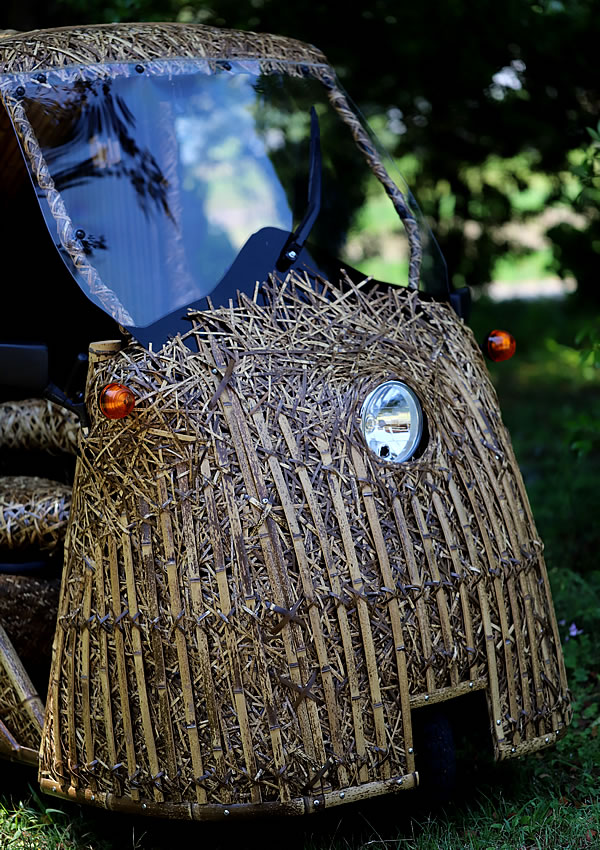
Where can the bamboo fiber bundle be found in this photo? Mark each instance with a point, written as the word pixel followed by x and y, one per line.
pixel 21 710
pixel 253 603
pixel 37 425
pixel 33 513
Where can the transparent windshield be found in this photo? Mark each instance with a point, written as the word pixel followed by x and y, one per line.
pixel 154 177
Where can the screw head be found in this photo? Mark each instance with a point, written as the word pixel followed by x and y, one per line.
pixel 54 788
pixel 265 501
pixel 41 78
pixel 470 684
pixel 140 69
pixel 144 806
pixel 93 797
pixel 498 723
pixel 547 740
pixel 20 91
pixel 513 749
pixel 226 812
pixel 291 255
pixel 399 781
pixel 426 697
pixel 215 371
pixel 317 803
pixel 410 750
pixel 342 795
pixel 80 234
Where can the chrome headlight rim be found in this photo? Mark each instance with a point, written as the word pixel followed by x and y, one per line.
pixel 412 447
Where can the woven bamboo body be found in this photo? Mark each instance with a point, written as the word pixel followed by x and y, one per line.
pixel 253 605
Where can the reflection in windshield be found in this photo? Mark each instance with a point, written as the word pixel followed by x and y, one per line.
pixel 166 172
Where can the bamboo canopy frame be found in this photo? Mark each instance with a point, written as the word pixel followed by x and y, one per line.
pixel 253 605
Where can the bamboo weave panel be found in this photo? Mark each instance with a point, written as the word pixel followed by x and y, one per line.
pixel 251 597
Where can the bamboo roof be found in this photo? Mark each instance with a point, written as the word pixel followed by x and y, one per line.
pixel 135 42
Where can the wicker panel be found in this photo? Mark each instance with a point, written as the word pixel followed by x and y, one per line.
pixel 37 425
pixel 28 608
pixel 34 513
pixel 64 49
pixel 253 602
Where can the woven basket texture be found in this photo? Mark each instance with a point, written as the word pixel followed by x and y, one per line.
pixel 33 513
pixel 61 49
pixel 37 425
pixel 253 604
pixel 143 42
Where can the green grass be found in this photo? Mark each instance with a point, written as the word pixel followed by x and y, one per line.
pixel 548 801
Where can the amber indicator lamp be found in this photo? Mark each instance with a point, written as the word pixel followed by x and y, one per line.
pixel 116 401
pixel 499 345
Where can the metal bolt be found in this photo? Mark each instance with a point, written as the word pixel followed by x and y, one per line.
pixel 399 781
pixel 54 788
pixel 470 684
pixel 226 812
pixel 498 723
pixel 93 797
pixel 291 255
pixel 20 91
pixel 547 740
pixel 426 697
pixel 41 78
pixel 410 750
pixel 215 371
pixel 265 501
pixel 513 749
pixel 317 802
pixel 80 234
pixel 557 732
pixel 140 69
pixel 144 806
pixel 342 795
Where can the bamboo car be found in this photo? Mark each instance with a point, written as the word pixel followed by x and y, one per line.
pixel 296 520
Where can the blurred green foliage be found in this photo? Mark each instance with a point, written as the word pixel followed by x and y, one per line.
pixel 491 101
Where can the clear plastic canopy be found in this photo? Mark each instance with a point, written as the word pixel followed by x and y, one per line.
pixel 163 172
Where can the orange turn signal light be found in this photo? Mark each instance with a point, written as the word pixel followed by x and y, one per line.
pixel 116 401
pixel 499 345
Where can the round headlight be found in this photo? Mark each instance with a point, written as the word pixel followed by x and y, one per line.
pixel 392 421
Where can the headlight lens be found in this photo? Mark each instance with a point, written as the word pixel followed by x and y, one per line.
pixel 392 421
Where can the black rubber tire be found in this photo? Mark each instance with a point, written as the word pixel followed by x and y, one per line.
pixel 435 753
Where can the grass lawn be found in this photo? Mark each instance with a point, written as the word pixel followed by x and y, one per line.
pixel 550 800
